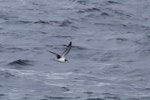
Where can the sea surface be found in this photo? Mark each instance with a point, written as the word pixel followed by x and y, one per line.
pixel 109 59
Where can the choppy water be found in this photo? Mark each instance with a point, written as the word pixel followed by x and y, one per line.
pixel 109 60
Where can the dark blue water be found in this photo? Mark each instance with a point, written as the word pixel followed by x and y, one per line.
pixel 109 59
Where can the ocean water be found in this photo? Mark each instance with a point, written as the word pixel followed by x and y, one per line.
pixel 109 59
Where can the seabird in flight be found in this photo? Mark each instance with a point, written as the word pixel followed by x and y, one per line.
pixel 61 58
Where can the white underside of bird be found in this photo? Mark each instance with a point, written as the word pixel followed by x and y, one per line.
pixel 62 59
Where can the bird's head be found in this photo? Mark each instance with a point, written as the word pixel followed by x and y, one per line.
pixel 66 60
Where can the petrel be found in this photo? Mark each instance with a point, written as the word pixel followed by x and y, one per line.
pixel 61 58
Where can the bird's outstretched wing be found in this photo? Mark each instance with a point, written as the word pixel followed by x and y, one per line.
pixel 57 55
pixel 67 49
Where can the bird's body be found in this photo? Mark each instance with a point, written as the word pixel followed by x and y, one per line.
pixel 61 58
